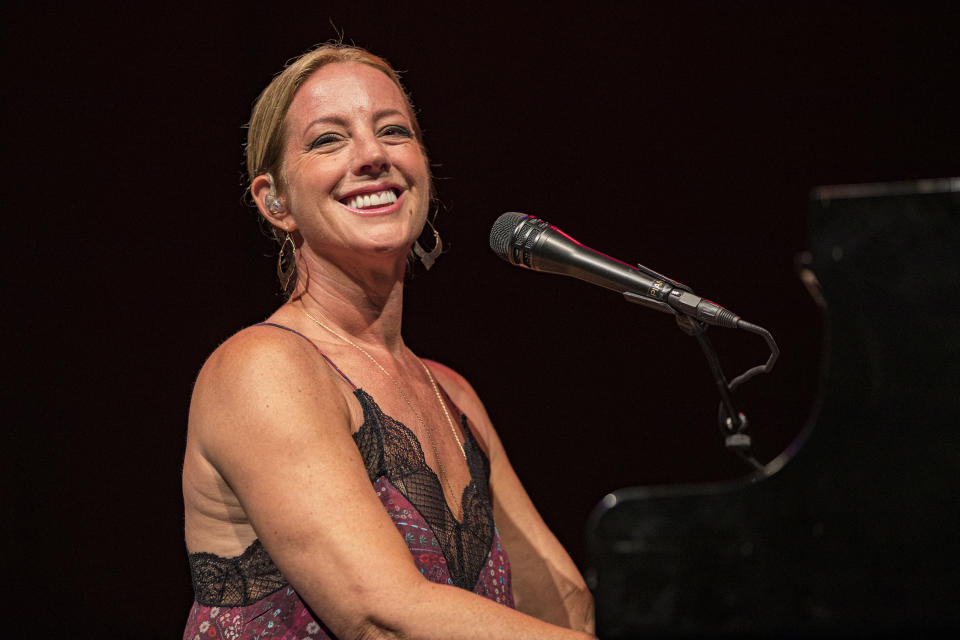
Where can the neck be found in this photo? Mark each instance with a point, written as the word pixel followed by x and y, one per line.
pixel 362 302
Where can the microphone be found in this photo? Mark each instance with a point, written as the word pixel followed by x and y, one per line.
pixel 529 242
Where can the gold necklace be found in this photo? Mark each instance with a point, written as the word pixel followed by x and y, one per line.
pixel 436 391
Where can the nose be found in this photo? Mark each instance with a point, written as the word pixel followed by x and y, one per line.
pixel 370 156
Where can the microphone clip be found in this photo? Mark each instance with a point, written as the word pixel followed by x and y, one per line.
pixel 733 423
pixel 659 276
pixel 688 324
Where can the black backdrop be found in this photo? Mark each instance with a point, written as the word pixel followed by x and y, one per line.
pixel 683 135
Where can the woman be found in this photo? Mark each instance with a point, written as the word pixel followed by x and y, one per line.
pixel 317 437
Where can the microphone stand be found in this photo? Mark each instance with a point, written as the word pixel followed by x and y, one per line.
pixel 733 423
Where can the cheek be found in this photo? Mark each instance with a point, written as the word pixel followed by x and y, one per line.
pixel 419 167
pixel 306 182
pixel 412 158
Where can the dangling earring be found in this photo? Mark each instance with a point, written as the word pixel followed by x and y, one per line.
pixel 286 277
pixel 428 258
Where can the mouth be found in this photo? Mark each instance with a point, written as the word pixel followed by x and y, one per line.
pixel 374 202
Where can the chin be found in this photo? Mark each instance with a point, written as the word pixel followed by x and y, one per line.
pixel 386 249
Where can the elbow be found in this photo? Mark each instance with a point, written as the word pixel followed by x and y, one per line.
pixel 381 612
pixel 372 628
pixel 385 620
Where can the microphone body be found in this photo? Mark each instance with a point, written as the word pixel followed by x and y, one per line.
pixel 532 243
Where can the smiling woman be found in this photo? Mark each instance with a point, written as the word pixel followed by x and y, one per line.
pixel 335 484
pixel 270 124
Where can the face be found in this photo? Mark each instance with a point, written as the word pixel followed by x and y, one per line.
pixel 357 181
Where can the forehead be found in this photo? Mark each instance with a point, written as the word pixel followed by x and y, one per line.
pixel 345 89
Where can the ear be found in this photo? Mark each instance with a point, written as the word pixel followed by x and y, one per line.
pixel 270 204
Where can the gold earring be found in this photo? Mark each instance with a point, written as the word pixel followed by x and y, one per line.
pixel 286 277
pixel 428 257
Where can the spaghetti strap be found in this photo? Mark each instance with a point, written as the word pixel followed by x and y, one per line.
pixel 325 357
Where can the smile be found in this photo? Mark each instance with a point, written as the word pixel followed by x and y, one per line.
pixel 371 201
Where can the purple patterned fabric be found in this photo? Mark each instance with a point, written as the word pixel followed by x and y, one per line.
pixel 282 615
pixel 246 597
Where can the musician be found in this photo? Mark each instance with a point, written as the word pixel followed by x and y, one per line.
pixel 336 484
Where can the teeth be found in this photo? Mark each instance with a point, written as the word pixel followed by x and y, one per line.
pixel 378 199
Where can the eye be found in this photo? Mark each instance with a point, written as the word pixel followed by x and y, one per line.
pixel 325 139
pixel 396 130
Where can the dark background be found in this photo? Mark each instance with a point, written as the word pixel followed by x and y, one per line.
pixel 684 135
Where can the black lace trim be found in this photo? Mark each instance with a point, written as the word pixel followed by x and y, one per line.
pixel 391 450
pixel 237 581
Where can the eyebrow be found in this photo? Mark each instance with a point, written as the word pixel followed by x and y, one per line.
pixel 338 120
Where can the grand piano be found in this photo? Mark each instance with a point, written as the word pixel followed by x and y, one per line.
pixel 855 527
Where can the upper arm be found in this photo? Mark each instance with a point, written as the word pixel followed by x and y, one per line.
pixel 270 418
pixel 546 582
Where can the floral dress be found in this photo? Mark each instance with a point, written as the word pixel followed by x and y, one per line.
pixel 247 597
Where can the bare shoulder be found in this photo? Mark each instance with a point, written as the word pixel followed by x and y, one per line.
pixel 260 395
pixel 254 350
pixel 256 377
pixel 456 386
pixel 466 399
pixel 452 381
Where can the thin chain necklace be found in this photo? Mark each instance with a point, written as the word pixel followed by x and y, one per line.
pixel 433 383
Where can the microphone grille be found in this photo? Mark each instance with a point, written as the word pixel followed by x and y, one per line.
pixel 502 233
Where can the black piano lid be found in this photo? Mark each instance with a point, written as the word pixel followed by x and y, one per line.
pixel 855 527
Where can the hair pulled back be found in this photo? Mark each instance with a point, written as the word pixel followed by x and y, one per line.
pixel 267 129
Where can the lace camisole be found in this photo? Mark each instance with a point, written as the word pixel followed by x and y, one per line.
pixel 247 597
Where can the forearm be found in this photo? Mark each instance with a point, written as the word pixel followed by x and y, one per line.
pixel 446 613
pixel 578 606
pixel 544 592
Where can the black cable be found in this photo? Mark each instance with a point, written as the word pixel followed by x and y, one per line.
pixel 733 424
pixel 764 368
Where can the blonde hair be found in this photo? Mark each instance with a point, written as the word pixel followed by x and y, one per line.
pixel 267 132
